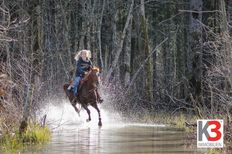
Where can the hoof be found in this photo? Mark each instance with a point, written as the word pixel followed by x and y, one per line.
pixel 88 120
pixel 100 101
pixel 100 123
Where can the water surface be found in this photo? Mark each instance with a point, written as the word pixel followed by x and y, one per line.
pixel 72 135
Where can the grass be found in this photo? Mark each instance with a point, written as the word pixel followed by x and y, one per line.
pixel 33 135
pixel 177 121
pixel 36 134
pixel 214 151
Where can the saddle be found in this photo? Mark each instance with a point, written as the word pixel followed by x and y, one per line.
pixel 83 79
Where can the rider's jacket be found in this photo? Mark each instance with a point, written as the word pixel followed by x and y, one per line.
pixel 83 66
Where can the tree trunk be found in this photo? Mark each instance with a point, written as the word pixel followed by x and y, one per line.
pixel 99 35
pixel 196 49
pixel 127 56
pixel 227 46
pixel 119 49
pixel 229 11
pixel 148 67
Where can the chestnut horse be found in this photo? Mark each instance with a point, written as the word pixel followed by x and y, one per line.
pixel 86 93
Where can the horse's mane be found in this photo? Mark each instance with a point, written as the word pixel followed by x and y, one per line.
pixel 95 68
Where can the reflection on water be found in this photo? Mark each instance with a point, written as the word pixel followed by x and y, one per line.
pixel 76 136
pixel 126 139
pixel 115 136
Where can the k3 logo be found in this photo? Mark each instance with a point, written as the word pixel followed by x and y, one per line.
pixel 210 133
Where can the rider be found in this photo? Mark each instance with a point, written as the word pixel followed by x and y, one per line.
pixel 82 67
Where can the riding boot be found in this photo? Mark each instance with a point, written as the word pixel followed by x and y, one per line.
pixel 70 88
pixel 100 100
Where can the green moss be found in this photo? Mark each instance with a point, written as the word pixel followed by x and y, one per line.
pixel 33 135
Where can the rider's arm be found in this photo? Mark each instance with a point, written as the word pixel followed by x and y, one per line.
pixel 79 68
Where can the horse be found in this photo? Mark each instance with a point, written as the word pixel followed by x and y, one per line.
pixel 86 93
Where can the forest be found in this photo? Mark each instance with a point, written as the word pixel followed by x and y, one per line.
pixel 172 56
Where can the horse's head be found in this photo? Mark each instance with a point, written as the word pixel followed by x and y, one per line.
pixel 94 75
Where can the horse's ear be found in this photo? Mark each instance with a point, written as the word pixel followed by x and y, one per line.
pixel 100 69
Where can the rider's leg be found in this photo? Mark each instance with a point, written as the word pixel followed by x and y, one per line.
pixel 69 87
pixel 76 85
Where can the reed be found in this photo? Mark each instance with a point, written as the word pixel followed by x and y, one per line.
pixel 11 142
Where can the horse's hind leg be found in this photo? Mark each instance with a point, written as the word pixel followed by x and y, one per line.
pixel 74 103
pixel 99 113
pixel 88 111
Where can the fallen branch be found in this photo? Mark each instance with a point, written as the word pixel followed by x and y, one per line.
pixel 187 124
pixel 43 121
pixel 193 11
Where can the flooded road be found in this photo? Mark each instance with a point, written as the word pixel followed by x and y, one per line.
pixel 72 135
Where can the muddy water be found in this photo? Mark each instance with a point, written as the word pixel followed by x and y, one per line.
pixel 71 134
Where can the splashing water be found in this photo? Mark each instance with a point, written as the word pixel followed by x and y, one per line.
pixel 63 116
pixel 72 134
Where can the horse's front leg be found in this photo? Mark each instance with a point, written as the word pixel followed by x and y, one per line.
pixel 99 113
pixel 76 109
pixel 88 111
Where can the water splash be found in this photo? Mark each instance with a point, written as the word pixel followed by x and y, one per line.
pixel 63 116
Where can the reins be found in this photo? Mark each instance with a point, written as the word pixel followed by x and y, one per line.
pixel 86 79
